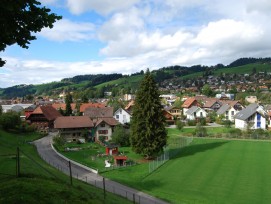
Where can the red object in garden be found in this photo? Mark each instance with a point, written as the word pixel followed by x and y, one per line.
pixel 111 149
pixel 120 160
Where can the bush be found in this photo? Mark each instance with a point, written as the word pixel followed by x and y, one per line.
pixel 179 125
pixel 200 131
pixel 202 121
pixel 227 123
pixel 191 123
pixel 102 138
pixel 59 141
pixel 121 136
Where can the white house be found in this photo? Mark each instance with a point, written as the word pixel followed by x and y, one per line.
pixel 104 127
pixel 227 111
pixel 195 112
pixel 122 116
pixel 253 116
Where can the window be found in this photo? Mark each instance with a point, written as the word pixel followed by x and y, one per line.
pixel 103 125
pixel 232 113
pixel 120 111
pixel 103 132
pixel 227 112
pixel 117 117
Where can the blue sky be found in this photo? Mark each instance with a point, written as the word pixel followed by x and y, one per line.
pixel 120 36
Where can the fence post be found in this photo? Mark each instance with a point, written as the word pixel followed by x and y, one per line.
pixel 70 171
pixel 18 162
pixel 104 186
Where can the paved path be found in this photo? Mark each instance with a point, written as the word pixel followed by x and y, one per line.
pixel 46 151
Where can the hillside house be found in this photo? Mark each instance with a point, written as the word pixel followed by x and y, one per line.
pixel 253 117
pixel 227 111
pixel 104 128
pixel 122 116
pixel 174 111
pixel 212 104
pixel 188 103
pixel 74 128
pixel 169 117
pixel 195 112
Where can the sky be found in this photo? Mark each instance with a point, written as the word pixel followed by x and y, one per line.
pixel 126 36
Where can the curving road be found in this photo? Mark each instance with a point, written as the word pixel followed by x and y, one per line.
pixel 83 173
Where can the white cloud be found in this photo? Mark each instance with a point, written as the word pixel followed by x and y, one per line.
pixel 103 7
pixel 66 30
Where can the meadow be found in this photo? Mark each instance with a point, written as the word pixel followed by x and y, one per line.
pixel 207 171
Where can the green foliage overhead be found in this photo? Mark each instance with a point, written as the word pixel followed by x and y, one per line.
pixel 20 19
pixel 148 133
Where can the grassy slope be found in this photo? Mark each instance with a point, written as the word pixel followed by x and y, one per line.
pixel 37 185
pixel 208 171
pixel 245 69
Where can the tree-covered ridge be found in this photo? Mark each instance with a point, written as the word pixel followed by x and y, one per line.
pixel 94 86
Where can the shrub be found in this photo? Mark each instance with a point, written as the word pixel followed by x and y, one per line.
pixel 202 121
pixel 59 141
pixel 179 125
pixel 191 123
pixel 200 131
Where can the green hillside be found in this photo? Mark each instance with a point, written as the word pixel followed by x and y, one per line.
pixel 117 82
pixel 39 182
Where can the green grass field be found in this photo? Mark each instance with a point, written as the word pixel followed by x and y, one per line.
pixel 208 171
pixel 39 182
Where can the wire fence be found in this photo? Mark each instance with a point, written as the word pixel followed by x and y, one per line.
pixel 173 148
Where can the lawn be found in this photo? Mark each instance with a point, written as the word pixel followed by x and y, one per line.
pixel 39 182
pixel 208 171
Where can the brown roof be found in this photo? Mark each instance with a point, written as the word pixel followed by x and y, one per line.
pixel 110 121
pixel 49 112
pixel 229 102
pixel 188 102
pixel 104 112
pixel 88 105
pixel 73 122
pixel 210 102
pixel 57 106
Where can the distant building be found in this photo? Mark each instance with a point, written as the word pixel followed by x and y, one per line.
pixel 251 99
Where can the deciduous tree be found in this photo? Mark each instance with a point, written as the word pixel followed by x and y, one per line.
pixel 20 19
pixel 148 133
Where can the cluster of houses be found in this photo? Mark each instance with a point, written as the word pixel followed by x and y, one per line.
pixel 253 116
pixel 96 120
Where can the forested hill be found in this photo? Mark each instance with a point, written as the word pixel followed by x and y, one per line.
pixel 96 85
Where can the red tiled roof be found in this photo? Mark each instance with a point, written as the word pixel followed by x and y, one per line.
pixel 120 157
pixel 188 102
pixel 73 122
pixel 88 105
pixel 57 106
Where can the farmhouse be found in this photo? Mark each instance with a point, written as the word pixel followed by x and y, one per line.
pixel 253 117
pixel 43 117
pixel 175 111
pixel 73 128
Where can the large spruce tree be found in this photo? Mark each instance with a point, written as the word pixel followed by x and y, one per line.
pixel 148 133
pixel 68 101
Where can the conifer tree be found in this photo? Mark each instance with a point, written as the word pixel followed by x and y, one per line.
pixel 68 101
pixel 148 133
